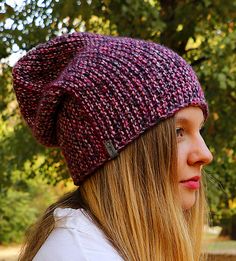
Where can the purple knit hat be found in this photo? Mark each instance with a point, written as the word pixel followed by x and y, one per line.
pixel 91 94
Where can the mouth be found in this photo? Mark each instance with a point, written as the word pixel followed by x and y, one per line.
pixel 192 183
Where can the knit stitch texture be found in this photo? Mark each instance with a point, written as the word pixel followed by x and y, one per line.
pixel 91 94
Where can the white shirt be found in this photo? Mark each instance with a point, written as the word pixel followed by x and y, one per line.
pixel 76 238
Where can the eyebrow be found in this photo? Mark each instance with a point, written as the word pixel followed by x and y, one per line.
pixel 183 120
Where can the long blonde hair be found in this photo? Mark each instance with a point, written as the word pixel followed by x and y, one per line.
pixel 134 200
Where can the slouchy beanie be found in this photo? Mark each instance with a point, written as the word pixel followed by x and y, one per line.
pixel 91 95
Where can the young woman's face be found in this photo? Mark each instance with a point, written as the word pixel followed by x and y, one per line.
pixel 192 153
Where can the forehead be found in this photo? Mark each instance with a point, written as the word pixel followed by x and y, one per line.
pixel 190 114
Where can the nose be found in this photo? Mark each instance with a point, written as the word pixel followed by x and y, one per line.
pixel 200 154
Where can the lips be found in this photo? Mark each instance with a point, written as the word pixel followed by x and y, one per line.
pixel 192 183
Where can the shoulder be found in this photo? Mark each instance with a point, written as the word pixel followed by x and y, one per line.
pixel 75 237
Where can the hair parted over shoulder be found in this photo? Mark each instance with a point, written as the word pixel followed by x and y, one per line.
pixel 109 103
pixel 133 200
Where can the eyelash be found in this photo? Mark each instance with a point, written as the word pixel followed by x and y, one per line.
pixel 202 130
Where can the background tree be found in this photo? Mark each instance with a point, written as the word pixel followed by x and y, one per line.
pixel 202 31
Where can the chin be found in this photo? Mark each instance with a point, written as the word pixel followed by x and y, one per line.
pixel 188 205
pixel 188 201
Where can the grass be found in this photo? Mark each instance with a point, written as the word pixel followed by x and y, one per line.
pixel 216 243
pixel 222 245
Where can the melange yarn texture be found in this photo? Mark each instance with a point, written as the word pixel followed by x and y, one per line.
pixel 91 94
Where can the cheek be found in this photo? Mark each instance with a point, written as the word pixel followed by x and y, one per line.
pixel 182 159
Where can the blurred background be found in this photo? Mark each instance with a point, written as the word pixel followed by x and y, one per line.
pixel 202 31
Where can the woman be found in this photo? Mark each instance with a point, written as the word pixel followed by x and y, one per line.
pixel 127 115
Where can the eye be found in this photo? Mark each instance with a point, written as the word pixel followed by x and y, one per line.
pixel 179 132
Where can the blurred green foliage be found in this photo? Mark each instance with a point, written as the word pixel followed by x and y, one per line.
pixel 21 206
pixel 202 31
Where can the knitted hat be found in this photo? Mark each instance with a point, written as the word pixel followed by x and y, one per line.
pixel 91 94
